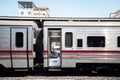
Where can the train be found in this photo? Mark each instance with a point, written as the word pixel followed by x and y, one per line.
pixel 59 43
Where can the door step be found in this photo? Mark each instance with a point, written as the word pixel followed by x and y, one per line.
pixel 54 69
pixel 21 69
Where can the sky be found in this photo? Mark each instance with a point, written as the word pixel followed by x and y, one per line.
pixel 66 8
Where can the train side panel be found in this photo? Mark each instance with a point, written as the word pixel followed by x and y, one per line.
pixel 5 47
pixel 84 51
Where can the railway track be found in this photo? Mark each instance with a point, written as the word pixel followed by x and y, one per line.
pixel 64 75
pixel 60 78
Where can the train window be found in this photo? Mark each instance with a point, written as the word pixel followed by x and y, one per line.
pixel 19 39
pixel 96 41
pixel 68 39
pixel 79 42
pixel 118 41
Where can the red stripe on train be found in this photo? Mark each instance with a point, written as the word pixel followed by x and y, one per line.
pixel 86 51
pixel 90 51
pixel 18 51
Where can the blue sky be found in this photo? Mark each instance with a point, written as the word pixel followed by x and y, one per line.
pixel 66 8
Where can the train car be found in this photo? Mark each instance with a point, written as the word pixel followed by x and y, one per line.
pixel 16 45
pixel 81 43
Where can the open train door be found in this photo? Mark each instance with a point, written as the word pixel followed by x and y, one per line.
pixel 19 47
pixel 54 48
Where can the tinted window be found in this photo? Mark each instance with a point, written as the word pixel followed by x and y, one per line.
pixel 68 39
pixel 118 41
pixel 79 42
pixel 96 41
pixel 19 39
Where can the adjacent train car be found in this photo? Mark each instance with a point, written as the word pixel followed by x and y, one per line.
pixel 16 45
pixel 70 44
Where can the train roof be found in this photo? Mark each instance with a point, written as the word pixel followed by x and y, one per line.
pixel 58 18
pixel 58 21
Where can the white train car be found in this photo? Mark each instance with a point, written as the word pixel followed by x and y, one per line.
pixel 16 44
pixel 70 43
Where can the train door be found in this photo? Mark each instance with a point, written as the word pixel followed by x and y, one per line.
pixel 19 47
pixel 54 48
